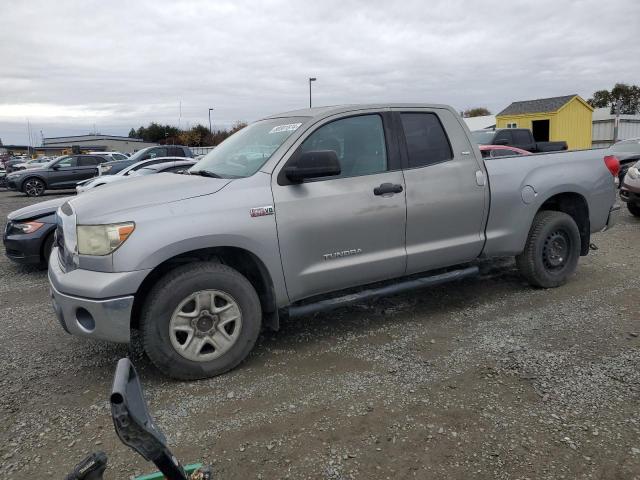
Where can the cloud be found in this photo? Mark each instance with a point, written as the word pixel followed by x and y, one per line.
pixel 68 65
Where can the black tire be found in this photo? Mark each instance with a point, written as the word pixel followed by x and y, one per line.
pixel 167 295
pixel 552 250
pixel 634 209
pixel 33 187
pixel 47 246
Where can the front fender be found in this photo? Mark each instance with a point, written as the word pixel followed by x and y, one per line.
pixel 223 219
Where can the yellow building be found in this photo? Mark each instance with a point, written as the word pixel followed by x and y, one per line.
pixel 553 119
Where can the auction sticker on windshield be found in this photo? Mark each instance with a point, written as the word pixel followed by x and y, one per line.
pixel 285 128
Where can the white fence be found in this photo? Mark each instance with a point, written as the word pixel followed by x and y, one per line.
pixel 201 150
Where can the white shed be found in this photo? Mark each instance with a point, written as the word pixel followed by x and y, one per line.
pixel 603 126
pixel 480 123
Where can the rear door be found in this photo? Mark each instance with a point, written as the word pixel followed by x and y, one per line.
pixel 87 168
pixel 340 231
pixel 446 188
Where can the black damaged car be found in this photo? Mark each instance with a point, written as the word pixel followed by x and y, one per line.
pixel 28 236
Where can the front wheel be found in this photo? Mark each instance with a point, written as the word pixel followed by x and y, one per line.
pixel 34 187
pixel 634 209
pixel 552 250
pixel 200 320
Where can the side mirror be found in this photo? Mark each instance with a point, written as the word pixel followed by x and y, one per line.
pixel 56 167
pixel 314 164
pixel 502 141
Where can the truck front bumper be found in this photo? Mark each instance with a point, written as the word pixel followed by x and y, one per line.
pixel 93 304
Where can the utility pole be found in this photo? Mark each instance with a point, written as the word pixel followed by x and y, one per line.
pixel 210 131
pixel 616 124
pixel 311 79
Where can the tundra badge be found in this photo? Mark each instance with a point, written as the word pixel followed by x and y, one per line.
pixel 344 253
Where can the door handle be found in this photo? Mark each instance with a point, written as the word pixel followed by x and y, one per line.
pixel 387 188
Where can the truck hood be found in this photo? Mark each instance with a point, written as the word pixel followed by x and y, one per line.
pixel 38 210
pixel 142 192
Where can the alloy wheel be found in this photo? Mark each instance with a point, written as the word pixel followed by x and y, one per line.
pixel 205 325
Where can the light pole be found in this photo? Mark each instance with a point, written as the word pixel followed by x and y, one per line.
pixel 311 79
pixel 210 131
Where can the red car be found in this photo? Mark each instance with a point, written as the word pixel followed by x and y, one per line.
pixel 491 151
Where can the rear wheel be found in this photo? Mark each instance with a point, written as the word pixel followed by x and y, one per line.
pixel 634 208
pixel 33 187
pixel 200 320
pixel 552 250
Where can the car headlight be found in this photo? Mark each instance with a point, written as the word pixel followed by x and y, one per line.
pixel 106 168
pixel 102 239
pixel 633 173
pixel 25 227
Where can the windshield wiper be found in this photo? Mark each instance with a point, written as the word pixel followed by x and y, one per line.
pixel 204 173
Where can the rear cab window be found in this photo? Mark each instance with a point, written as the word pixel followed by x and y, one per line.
pixel 426 140
pixel 504 136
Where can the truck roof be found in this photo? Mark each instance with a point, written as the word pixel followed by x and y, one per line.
pixel 322 112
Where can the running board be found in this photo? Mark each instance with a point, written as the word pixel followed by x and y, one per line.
pixel 403 286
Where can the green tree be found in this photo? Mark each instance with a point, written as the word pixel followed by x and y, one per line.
pixel 476 112
pixel 627 95
pixel 198 135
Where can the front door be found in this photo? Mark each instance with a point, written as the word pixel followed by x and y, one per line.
pixel 340 231
pixel 447 191
pixel 61 173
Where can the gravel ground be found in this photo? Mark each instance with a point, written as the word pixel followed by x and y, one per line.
pixel 486 378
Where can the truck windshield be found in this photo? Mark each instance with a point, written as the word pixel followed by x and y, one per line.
pixel 483 137
pixel 246 151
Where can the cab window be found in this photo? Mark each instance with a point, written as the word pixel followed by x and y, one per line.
pixel 67 162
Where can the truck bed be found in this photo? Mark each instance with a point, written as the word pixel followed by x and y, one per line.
pixel 520 185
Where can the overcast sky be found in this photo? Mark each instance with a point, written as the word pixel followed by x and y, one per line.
pixel 67 66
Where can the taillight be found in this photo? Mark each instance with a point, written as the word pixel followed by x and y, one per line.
pixel 613 164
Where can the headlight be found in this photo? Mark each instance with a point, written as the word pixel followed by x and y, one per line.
pixel 106 168
pixel 25 227
pixel 633 173
pixel 102 239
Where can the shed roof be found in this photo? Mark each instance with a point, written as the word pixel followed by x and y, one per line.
pixel 540 105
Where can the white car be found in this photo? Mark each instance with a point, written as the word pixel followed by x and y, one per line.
pixel 112 155
pixel 122 174
pixel 34 163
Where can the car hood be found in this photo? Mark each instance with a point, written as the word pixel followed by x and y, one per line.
pixel 103 179
pixel 30 170
pixel 139 192
pixel 38 210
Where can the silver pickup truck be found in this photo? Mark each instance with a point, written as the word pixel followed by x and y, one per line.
pixel 307 210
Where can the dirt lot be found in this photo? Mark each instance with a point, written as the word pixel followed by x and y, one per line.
pixel 487 378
